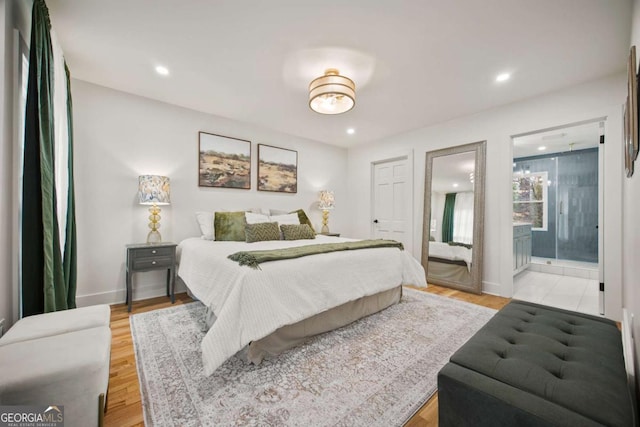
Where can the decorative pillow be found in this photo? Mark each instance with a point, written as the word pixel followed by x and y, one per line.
pixel 273 212
pixel 205 222
pixel 288 219
pixel 304 219
pixel 255 218
pixel 297 232
pixel 262 231
pixel 263 211
pixel 229 226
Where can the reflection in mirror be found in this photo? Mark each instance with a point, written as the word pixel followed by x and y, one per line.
pixel 454 212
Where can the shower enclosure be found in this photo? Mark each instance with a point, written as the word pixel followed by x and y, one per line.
pixel 558 194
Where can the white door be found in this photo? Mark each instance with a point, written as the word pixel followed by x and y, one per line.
pixel 391 196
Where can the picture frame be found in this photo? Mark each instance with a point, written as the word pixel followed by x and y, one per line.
pixel 626 142
pixel 223 161
pixel 277 169
pixel 630 139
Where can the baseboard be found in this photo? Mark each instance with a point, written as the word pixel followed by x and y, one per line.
pixel 491 288
pixel 119 296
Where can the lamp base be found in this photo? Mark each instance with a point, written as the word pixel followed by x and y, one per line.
pixel 325 222
pixel 154 237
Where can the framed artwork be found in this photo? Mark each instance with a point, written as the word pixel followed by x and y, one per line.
pixel 224 161
pixel 277 169
pixel 631 116
pixel 626 142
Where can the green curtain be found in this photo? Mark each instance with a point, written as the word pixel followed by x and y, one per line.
pixel 48 284
pixel 447 217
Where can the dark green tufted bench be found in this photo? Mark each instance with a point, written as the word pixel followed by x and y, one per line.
pixel 532 365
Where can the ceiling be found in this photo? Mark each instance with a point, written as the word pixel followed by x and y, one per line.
pixel 450 174
pixel 415 63
pixel 572 138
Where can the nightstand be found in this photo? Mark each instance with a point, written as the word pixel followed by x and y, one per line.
pixel 151 256
pixel 330 234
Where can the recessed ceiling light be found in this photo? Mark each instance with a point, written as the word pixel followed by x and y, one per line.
pixel 455 184
pixel 163 71
pixel 542 148
pixel 351 131
pixel 503 77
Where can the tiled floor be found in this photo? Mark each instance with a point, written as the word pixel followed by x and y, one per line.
pixel 571 293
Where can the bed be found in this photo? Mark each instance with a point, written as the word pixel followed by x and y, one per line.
pixel 293 295
pixel 449 262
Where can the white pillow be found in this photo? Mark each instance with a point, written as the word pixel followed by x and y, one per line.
pixel 289 219
pixel 255 218
pixel 273 212
pixel 263 211
pixel 205 222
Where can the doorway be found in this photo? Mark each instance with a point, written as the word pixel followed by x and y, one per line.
pixel 391 200
pixel 556 184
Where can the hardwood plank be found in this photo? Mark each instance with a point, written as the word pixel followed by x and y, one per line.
pixel 124 406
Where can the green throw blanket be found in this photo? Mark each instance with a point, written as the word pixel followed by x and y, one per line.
pixel 254 258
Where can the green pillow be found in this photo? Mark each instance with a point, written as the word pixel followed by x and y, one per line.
pixel 262 231
pixel 304 219
pixel 297 232
pixel 229 226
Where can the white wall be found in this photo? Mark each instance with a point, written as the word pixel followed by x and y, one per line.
pixel 602 98
pixel 119 136
pixel 631 236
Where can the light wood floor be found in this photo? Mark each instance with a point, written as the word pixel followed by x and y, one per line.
pixel 124 408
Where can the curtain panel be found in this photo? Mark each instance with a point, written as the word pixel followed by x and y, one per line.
pixel 447 217
pixel 48 210
pixel 463 218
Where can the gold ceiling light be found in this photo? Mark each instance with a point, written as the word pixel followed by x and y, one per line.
pixel 332 93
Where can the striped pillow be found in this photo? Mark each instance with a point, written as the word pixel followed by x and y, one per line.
pixel 262 231
pixel 297 232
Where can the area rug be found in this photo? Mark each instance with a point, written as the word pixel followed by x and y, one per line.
pixel 377 371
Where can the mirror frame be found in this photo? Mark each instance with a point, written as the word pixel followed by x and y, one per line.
pixel 480 149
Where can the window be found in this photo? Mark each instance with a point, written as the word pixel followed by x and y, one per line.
pixel 530 199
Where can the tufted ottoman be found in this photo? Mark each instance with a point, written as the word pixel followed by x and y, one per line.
pixel 533 365
pixel 59 358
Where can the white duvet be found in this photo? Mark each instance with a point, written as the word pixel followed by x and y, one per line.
pixel 453 253
pixel 250 304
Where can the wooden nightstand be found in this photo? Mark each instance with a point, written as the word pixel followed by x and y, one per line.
pixel 330 234
pixel 151 256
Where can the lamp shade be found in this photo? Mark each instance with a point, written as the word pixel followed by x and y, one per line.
pixel 154 190
pixel 326 200
pixel 332 93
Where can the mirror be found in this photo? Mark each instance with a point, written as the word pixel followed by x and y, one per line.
pixel 452 231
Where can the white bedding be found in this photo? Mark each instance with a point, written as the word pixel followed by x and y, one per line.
pixel 453 253
pixel 250 304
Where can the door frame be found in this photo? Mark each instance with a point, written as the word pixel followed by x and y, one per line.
pixel 403 155
pixel 601 190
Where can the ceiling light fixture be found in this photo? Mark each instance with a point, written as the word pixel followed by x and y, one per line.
pixel 542 148
pixel 351 131
pixel 332 93
pixel 455 184
pixel 503 77
pixel 163 71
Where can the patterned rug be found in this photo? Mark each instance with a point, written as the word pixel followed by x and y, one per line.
pixel 377 371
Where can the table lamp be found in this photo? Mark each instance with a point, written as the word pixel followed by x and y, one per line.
pixel 154 190
pixel 326 203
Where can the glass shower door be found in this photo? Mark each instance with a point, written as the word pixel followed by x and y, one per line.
pixel 577 207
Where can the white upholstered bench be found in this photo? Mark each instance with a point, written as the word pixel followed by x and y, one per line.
pixel 59 358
